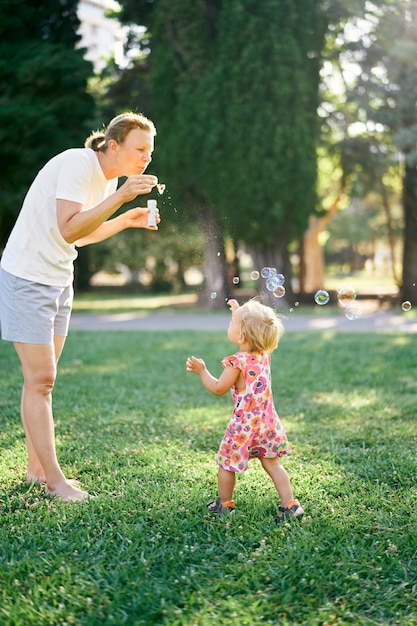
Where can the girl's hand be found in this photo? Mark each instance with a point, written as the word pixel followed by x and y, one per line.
pixel 137 186
pixel 195 365
pixel 138 218
pixel 233 305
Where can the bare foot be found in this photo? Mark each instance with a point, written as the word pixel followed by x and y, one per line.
pixel 74 482
pixel 41 480
pixel 38 480
pixel 69 492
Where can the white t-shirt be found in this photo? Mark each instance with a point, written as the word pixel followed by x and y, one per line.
pixel 36 249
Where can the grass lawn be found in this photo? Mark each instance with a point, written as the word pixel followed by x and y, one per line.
pixel 140 433
pixel 107 302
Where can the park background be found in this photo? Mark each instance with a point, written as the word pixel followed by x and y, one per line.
pixel 286 139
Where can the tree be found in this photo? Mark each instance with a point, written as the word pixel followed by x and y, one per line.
pixel 362 130
pixel 161 84
pixel 183 48
pixel 44 104
pixel 235 89
pixel 386 91
pixel 344 160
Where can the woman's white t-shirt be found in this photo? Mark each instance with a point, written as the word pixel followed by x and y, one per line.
pixel 36 249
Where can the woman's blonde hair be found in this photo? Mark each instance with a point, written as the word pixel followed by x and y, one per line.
pixel 260 325
pixel 118 129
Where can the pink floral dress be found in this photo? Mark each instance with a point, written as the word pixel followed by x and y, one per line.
pixel 254 429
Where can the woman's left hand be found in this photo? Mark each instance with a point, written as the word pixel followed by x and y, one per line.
pixel 138 218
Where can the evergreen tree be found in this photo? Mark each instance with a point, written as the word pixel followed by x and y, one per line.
pixel 44 104
pixel 235 92
pixel 266 92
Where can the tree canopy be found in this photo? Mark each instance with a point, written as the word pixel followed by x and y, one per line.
pixel 384 95
pixel 234 87
pixel 44 103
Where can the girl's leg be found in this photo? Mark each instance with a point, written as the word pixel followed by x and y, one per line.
pixel 39 371
pixel 226 484
pixel 280 479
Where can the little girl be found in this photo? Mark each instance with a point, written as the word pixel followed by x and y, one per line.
pixel 254 430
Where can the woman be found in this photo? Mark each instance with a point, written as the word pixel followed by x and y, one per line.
pixel 68 205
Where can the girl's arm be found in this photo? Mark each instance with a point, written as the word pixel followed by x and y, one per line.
pixel 233 304
pixel 216 386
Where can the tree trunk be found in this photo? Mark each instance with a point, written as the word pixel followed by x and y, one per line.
pixel 276 257
pixel 216 288
pixel 82 272
pixel 313 261
pixel 312 266
pixel 390 232
pixel 409 277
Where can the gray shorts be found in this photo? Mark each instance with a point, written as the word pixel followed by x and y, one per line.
pixel 31 312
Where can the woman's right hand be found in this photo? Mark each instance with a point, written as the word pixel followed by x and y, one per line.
pixel 137 186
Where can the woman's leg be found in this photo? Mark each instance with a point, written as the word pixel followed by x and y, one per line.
pixel 39 371
pixel 35 472
pixel 280 479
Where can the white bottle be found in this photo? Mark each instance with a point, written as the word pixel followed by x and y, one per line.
pixel 152 213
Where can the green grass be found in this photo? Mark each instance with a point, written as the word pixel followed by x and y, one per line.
pixel 110 302
pixel 184 304
pixel 140 434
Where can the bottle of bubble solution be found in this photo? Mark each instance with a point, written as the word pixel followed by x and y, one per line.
pixel 152 213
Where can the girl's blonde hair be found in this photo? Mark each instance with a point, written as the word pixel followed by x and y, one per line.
pixel 118 129
pixel 260 325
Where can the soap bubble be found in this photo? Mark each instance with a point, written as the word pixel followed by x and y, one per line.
pixel 272 271
pixel 213 295
pixel 321 297
pixel 161 188
pixel 265 272
pixel 281 278
pixel 235 280
pixel 272 283
pixel 254 275
pixel 406 306
pixel 353 311
pixel 279 292
pixel 346 295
